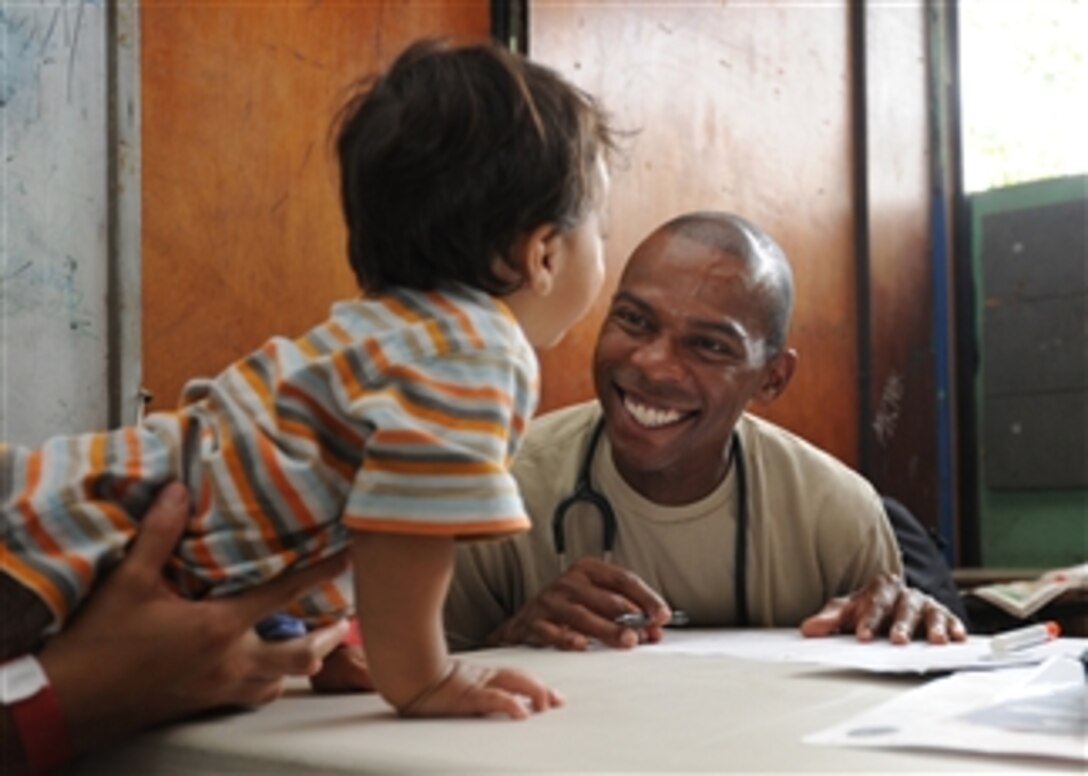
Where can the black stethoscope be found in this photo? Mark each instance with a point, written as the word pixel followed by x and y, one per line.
pixel 583 491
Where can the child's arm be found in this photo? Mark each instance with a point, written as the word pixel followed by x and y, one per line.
pixel 400 585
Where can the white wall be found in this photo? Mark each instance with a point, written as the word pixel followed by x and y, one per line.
pixel 60 245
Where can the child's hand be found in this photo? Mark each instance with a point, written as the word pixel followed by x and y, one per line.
pixel 471 691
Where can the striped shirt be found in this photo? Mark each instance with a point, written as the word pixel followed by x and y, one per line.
pixel 400 413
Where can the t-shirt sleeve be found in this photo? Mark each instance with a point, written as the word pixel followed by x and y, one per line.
pixel 873 549
pixel 440 438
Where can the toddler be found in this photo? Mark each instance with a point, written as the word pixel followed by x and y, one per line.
pixel 473 183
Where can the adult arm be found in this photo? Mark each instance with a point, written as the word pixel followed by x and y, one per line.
pixel 887 605
pixel 137 655
pixel 873 600
pixel 488 604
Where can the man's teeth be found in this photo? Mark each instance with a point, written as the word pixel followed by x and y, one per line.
pixel 650 416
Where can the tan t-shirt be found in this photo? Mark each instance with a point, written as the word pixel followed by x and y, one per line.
pixel 816 530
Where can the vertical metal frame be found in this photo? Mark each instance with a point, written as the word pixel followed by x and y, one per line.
pixel 124 223
pixel 859 96
pixel 510 24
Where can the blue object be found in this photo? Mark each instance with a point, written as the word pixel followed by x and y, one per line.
pixel 280 627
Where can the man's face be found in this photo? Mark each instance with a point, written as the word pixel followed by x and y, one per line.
pixel 680 354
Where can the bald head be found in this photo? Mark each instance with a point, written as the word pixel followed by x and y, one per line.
pixel 767 265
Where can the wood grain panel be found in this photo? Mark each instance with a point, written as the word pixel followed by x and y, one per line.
pixel 738 107
pixel 242 232
pixel 903 425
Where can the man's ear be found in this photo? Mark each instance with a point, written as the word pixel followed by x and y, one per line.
pixel 534 254
pixel 776 376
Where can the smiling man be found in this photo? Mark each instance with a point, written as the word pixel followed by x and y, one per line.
pixel 685 501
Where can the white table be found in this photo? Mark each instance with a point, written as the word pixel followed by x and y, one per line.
pixel 625 712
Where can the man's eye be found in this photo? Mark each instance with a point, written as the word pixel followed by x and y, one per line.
pixel 630 318
pixel 717 348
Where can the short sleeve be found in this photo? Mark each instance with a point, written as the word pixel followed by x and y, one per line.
pixel 441 437
pixel 858 541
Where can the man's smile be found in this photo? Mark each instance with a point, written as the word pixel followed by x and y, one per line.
pixel 650 415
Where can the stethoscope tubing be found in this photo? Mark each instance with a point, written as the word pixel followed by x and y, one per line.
pixel 584 492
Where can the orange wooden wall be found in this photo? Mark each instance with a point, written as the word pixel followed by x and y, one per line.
pixel 242 232
pixel 743 108
pixel 753 107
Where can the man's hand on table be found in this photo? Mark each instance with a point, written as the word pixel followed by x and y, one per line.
pixel 887 606
pixel 582 604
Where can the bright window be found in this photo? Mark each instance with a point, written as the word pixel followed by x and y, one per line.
pixel 1024 90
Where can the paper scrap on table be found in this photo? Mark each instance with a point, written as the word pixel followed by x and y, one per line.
pixel 1023 598
pixel 1040 711
pixel 845 651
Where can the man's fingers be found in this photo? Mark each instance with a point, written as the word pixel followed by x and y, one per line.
pixel 159 532
pixel 956 629
pixel 941 625
pixel 582 604
pixel 619 581
pixel 910 608
pixel 273 595
pixel 876 604
pixel 825 622
pixel 544 633
pixel 936 619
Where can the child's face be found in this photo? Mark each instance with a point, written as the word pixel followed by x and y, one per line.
pixel 579 277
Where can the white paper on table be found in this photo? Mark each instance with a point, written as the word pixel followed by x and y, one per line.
pixel 845 651
pixel 1040 711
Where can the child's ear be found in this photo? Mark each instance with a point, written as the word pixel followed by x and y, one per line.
pixel 535 253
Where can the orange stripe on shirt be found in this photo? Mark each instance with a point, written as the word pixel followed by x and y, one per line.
pixel 345 432
pixel 430 325
pixel 463 320
pixel 402 466
pixel 134 469
pixel 352 386
pixel 402 311
pixel 198 546
pixel 405 436
pixel 452 422
pixel 438 337
pixel 302 430
pixel 339 333
pixel 376 354
pixel 307 348
pixel 286 490
pixel 97 461
pixel 256 383
pixel 241 480
pixel 488 392
pixel 501 526
pixel 402 372
pixel 33 524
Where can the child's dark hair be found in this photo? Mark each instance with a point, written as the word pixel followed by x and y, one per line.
pixel 450 155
